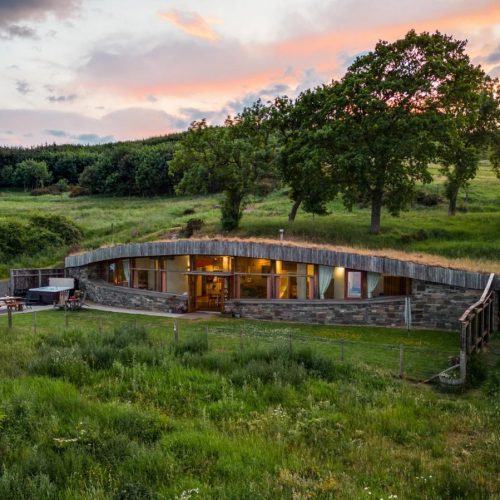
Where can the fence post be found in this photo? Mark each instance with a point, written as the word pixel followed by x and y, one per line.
pixel 342 350
pixel 401 361
pixel 34 322
pixel 464 349
pixel 176 332
pixel 9 317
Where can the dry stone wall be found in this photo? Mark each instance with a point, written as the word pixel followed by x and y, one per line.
pixel 129 298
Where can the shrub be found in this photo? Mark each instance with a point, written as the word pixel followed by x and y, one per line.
pixel 427 199
pixel 191 226
pixel 75 191
pixel 59 225
pixel 53 189
pixel 420 235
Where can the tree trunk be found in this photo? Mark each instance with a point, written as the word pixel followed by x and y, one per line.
pixel 293 211
pixel 452 206
pixel 376 212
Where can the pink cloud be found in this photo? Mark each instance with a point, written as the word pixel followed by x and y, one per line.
pixel 192 24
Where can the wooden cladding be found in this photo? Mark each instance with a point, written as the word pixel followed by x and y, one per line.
pixel 286 252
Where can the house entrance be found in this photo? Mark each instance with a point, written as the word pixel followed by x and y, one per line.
pixel 207 292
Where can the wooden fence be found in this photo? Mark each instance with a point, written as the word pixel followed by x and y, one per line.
pixel 477 324
pixel 21 280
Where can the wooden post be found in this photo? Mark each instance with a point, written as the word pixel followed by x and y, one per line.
pixel 176 332
pixel 464 348
pixel 401 361
pixel 463 365
pixel 342 350
pixel 9 317
pixel 34 322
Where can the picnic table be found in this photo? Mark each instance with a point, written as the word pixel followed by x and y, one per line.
pixel 13 303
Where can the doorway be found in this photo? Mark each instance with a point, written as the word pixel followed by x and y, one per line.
pixel 208 292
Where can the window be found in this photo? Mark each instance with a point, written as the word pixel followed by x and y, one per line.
pixel 248 265
pixel 254 286
pixel 215 264
pixel 354 285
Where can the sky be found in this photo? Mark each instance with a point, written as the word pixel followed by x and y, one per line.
pixel 95 71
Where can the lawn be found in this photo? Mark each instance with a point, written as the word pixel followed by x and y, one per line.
pixel 111 407
pixel 473 234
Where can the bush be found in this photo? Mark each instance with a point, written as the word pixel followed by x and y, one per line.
pixel 420 235
pixel 191 226
pixel 75 191
pixel 427 199
pixel 53 189
pixel 60 226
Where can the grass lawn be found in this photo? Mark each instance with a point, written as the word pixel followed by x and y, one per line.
pixel 473 235
pixel 112 408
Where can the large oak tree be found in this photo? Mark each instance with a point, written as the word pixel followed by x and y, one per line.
pixel 393 105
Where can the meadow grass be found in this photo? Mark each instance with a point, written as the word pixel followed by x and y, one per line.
pixel 473 235
pixel 113 409
pixel 426 352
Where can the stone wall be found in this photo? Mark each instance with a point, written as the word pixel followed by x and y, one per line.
pixel 103 293
pixel 440 306
pixel 433 306
pixel 377 312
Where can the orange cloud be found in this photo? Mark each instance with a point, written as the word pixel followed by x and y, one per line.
pixel 192 23
pixel 322 45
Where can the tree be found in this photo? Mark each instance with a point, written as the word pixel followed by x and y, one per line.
pixel 235 159
pixel 31 174
pixel 470 114
pixel 387 118
pixel 302 156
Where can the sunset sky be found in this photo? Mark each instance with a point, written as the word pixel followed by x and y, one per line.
pixel 91 71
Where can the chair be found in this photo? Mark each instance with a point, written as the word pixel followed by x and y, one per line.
pixel 82 299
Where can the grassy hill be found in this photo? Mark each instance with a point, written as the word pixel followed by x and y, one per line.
pixel 472 235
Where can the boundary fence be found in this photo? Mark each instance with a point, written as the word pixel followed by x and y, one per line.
pixel 407 360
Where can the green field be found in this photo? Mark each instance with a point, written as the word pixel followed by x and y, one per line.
pixel 472 235
pixel 111 407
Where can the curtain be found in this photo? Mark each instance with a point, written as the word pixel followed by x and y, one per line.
pixel 325 278
pixel 372 282
pixel 126 271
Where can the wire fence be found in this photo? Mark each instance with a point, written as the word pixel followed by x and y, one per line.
pixel 417 363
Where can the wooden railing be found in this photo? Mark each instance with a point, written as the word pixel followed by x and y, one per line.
pixel 477 323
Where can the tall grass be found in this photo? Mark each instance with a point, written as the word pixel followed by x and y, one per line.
pixel 123 413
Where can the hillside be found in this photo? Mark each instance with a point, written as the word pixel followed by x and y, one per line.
pixel 472 236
